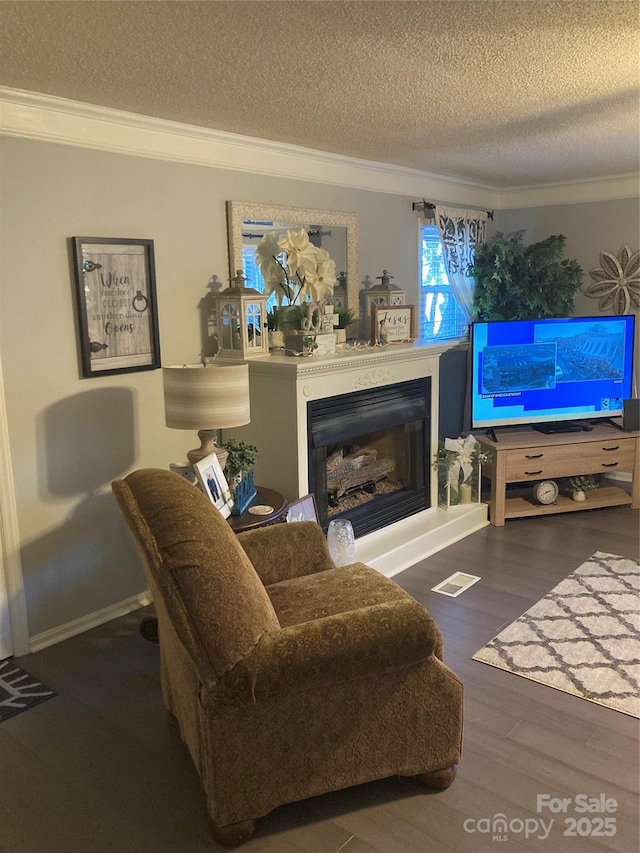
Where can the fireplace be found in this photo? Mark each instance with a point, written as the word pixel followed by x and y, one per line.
pixel 301 425
pixel 368 454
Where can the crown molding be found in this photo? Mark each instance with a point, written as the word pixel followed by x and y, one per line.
pixel 606 188
pixel 29 115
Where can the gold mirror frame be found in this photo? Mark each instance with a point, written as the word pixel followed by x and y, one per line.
pixel 238 211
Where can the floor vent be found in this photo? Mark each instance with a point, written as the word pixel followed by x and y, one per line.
pixel 455 584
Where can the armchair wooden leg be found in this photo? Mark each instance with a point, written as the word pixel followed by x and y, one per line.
pixel 233 834
pixel 439 779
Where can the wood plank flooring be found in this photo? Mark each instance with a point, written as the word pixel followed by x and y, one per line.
pixel 100 769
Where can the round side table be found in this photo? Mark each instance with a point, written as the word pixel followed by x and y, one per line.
pixel 249 521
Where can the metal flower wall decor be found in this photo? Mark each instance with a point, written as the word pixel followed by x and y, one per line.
pixel 617 281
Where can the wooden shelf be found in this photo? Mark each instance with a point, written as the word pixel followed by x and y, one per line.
pixel 519 507
pixel 525 456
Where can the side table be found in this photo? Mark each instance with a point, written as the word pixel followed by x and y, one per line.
pixel 249 521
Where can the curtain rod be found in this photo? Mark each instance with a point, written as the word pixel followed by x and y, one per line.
pixel 428 205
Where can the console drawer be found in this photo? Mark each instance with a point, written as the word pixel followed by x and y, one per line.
pixel 536 463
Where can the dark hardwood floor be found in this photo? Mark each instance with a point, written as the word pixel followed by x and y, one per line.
pixel 100 769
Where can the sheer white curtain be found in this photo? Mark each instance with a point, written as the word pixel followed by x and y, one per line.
pixel 461 231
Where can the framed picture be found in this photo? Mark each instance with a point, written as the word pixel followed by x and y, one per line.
pixel 213 483
pixel 116 301
pixel 392 324
pixel 303 509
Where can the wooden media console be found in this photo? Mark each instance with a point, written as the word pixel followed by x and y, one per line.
pixel 522 455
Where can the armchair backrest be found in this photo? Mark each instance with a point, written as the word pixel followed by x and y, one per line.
pixel 208 586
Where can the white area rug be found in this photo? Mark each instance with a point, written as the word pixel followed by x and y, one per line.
pixel 582 637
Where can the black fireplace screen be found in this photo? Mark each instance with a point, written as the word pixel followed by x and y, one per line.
pixel 369 454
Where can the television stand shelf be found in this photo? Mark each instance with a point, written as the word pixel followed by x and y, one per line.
pixel 524 456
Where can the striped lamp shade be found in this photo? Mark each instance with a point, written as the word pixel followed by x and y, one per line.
pixel 198 396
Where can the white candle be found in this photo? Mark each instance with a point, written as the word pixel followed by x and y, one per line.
pixel 465 493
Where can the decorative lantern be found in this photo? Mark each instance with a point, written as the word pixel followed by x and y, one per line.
pixel 384 293
pixel 241 314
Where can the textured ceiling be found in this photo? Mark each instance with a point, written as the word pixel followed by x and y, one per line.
pixel 501 93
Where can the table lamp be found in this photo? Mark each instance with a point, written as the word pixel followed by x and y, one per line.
pixel 206 398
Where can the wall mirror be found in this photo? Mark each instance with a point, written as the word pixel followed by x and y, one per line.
pixel 335 231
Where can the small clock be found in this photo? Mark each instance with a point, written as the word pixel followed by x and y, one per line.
pixel 545 492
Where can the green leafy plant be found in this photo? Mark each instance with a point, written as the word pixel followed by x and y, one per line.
pixel 518 282
pixel 346 316
pixel 585 483
pixel 242 456
pixel 289 317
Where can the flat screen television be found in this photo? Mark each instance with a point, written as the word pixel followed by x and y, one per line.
pixel 554 374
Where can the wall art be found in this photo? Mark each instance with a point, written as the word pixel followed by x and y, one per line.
pixel 116 300
pixel 392 324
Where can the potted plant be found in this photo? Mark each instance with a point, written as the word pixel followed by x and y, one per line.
pixel 241 457
pixel 579 487
pixel 346 316
pixel 518 282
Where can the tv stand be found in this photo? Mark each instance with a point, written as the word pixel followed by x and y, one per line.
pixel 525 457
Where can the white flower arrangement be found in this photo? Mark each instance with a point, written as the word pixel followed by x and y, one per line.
pixel 307 272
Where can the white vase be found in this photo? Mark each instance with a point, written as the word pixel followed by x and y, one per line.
pixel 341 542
pixel 579 496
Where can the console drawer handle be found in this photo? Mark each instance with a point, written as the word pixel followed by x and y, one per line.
pixel 607 449
pixel 609 464
pixel 532 473
pixel 534 456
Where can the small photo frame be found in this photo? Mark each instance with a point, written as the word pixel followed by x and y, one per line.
pixel 392 324
pixel 214 484
pixel 304 509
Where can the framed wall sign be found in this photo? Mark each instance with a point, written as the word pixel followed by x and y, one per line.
pixel 117 310
pixel 392 324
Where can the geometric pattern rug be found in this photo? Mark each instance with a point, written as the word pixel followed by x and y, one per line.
pixel 582 637
pixel 19 690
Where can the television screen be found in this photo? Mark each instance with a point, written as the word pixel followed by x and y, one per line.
pixel 550 371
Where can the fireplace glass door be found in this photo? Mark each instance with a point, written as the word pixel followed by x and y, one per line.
pixel 369 454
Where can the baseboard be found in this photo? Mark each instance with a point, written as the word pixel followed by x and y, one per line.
pixel 91 620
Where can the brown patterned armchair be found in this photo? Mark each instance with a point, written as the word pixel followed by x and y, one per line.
pixel 288 677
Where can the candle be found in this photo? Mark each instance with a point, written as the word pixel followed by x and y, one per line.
pixel 465 493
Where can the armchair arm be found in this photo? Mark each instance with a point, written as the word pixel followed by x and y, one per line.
pixel 280 552
pixel 332 650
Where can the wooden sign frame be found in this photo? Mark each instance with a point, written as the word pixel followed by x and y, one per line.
pixel 392 324
pixel 116 302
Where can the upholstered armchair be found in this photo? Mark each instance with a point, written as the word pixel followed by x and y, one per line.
pixel 288 677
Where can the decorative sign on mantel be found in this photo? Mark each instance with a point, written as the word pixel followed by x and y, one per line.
pixel 117 312
pixel 391 324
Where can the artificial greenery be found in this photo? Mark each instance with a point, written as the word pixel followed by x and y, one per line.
pixel 241 456
pixel 447 458
pixel 289 317
pixel 585 483
pixel 518 282
pixel 346 316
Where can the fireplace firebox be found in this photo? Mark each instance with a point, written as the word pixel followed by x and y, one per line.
pixel 369 452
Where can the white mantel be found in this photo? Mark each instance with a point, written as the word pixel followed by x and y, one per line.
pixel 281 386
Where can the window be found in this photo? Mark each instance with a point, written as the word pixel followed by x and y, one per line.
pixel 441 318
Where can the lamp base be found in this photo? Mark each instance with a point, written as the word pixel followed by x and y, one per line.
pixel 207 447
